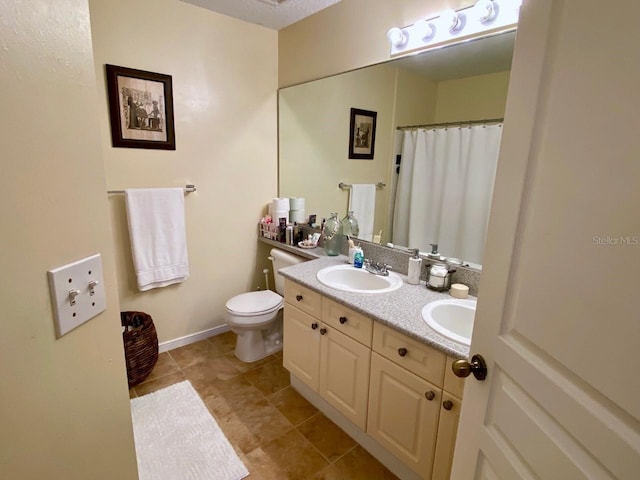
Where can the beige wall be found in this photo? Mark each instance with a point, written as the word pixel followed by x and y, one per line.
pixel 64 405
pixel 226 144
pixel 472 98
pixel 348 35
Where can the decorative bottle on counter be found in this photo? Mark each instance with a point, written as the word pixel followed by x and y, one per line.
pixel 332 235
pixel 350 226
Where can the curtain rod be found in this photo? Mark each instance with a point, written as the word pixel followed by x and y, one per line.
pixel 452 124
pixel 187 189
pixel 343 186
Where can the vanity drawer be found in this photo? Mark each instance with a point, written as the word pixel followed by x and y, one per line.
pixel 452 384
pixel 348 321
pixel 424 361
pixel 303 298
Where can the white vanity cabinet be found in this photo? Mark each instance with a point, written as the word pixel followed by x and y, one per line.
pixel 320 351
pixel 395 389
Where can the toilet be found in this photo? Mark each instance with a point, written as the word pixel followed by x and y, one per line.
pixel 256 317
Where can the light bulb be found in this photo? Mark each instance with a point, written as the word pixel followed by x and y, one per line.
pixel 425 29
pixel 396 37
pixel 486 10
pixel 451 20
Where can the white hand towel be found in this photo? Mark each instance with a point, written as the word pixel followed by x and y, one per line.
pixel 158 236
pixel 362 202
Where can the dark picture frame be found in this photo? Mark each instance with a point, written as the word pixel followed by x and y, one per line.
pixel 140 108
pixel 362 134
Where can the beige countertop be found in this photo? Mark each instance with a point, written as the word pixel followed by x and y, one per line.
pixel 400 309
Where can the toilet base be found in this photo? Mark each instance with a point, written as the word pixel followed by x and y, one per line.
pixel 254 345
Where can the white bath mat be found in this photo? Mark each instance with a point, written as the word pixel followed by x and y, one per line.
pixel 177 438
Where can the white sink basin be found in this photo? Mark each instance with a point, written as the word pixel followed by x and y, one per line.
pixel 357 280
pixel 451 318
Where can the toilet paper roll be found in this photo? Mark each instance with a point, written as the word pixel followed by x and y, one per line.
pixel 296 203
pixel 297 216
pixel 278 214
pixel 281 203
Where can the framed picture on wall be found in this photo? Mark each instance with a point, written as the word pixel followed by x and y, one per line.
pixel 140 108
pixel 362 134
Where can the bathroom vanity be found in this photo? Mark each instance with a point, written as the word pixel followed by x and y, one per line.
pixel 373 366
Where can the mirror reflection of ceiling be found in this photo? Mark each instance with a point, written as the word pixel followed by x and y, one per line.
pixel 475 57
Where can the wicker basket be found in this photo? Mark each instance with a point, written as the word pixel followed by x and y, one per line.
pixel 140 345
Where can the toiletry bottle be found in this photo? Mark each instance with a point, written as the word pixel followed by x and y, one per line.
pixel 358 258
pixel 352 251
pixel 415 267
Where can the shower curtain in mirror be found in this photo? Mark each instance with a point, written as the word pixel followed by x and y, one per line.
pixel 444 189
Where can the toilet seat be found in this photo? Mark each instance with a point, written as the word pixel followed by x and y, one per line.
pixel 253 304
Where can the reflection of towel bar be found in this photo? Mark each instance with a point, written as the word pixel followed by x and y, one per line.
pixel 344 186
pixel 187 189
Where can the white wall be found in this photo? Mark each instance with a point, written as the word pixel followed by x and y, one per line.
pixel 224 87
pixel 64 405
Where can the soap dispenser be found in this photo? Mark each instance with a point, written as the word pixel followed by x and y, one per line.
pixel 415 267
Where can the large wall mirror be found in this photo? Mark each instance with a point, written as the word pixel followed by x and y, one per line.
pixel 459 83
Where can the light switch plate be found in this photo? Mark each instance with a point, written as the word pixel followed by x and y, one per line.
pixel 77 293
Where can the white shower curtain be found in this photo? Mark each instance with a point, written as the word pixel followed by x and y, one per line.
pixel 444 189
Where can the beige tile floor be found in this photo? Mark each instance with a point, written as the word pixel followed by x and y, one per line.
pixel 275 431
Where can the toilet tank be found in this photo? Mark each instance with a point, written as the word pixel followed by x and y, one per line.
pixel 281 259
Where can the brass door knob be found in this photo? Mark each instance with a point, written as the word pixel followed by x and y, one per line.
pixel 343 320
pixel 299 298
pixel 323 331
pixel 430 395
pixel 402 351
pixel 447 404
pixel 478 367
pixel 314 325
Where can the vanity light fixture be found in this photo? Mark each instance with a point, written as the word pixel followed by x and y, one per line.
pixel 396 37
pixel 485 17
pixel 425 29
pixel 452 20
pixel 486 10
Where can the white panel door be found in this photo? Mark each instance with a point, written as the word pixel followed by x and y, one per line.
pixel 558 318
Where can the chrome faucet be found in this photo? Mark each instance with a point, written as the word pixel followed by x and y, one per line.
pixel 377 268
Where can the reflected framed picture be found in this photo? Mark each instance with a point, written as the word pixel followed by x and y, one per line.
pixel 140 108
pixel 362 134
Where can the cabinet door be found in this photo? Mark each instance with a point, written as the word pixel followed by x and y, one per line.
pixel 344 374
pixel 301 345
pixel 447 432
pixel 403 414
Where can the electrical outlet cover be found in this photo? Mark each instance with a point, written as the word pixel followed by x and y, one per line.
pixel 84 278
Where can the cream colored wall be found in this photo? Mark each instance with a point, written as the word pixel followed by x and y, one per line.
pixel 416 99
pixel 348 35
pixel 314 139
pixel 64 404
pixel 226 144
pixel 472 98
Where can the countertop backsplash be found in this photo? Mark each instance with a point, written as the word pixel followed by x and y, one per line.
pixel 396 258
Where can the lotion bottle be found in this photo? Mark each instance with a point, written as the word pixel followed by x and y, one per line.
pixel 415 267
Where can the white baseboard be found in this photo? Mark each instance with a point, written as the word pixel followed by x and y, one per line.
pixel 192 338
pixel 368 443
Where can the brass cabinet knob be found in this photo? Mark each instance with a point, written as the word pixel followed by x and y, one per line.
pixel 430 395
pixel 447 404
pixel 314 325
pixel 402 351
pixel 323 331
pixel 299 298
pixel 478 367
pixel 343 320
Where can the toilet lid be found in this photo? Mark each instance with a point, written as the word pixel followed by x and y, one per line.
pixel 254 302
